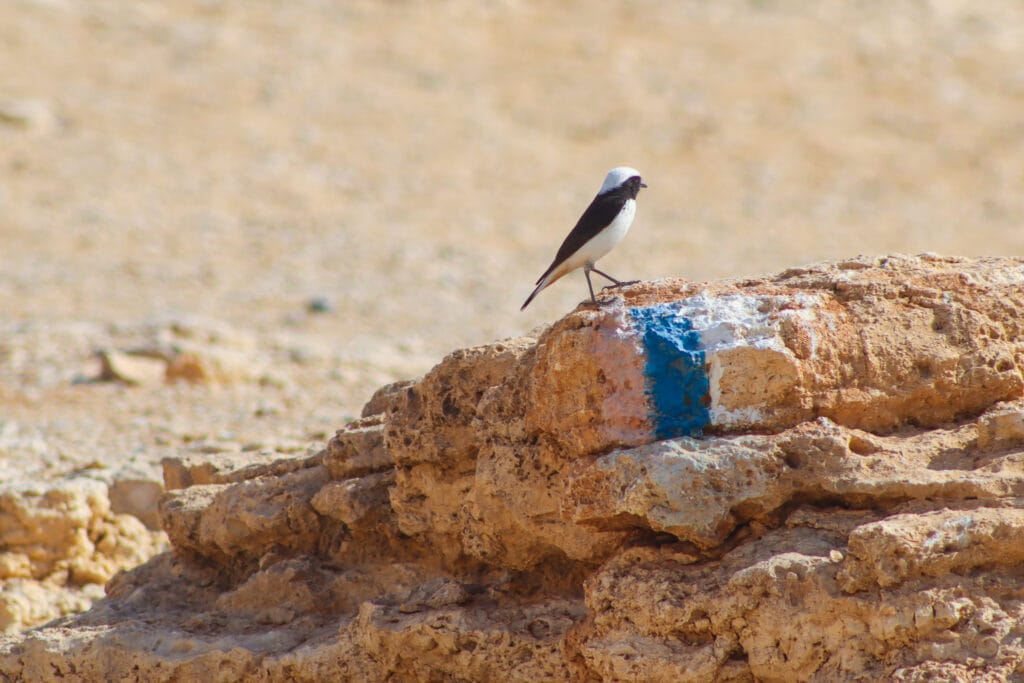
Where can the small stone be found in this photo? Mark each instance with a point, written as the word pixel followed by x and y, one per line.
pixel 137 370
pixel 266 410
pixel 319 304
pixel 29 114
pixel 835 556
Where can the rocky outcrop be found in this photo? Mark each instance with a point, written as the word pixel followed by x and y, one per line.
pixel 815 476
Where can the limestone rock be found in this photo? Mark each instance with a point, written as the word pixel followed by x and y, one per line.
pixel 774 609
pixel 29 114
pixel 814 476
pixel 871 344
pixel 25 602
pixel 131 368
pixel 700 490
pixel 59 543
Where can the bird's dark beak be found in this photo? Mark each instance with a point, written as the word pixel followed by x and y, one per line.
pixel 643 184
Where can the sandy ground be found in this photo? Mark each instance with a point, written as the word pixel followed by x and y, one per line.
pixel 200 170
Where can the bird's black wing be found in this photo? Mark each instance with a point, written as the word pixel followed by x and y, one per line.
pixel 601 212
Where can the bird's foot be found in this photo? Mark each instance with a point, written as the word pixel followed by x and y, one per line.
pixel 600 301
pixel 605 298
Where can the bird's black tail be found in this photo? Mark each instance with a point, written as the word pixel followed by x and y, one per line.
pixel 542 282
pixel 534 293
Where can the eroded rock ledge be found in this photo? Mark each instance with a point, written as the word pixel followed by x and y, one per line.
pixel 817 475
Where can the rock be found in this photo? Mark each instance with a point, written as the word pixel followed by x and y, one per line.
pixel 319 304
pixel 131 369
pixel 700 490
pixel 815 476
pixel 24 602
pixel 133 489
pixel 679 359
pixel 935 543
pixel 59 539
pixel 30 114
pixel 657 612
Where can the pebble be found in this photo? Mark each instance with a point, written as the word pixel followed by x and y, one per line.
pixel 319 304
pixel 29 114
pixel 123 367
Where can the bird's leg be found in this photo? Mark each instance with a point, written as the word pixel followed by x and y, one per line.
pixel 586 271
pixel 618 283
pixel 607 276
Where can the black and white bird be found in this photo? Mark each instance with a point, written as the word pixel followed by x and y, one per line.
pixel 601 227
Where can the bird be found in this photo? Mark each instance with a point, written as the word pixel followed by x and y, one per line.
pixel 601 227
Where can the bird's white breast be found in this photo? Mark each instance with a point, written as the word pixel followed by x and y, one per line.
pixel 607 239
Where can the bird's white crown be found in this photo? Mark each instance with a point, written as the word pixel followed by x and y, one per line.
pixel 616 177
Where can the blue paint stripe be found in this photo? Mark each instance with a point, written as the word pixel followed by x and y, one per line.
pixel 675 374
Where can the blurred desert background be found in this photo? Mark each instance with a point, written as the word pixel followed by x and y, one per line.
pixel 316 198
